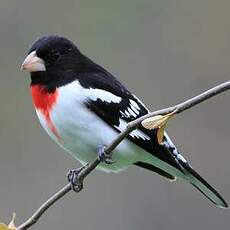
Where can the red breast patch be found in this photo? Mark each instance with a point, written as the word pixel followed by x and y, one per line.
pixel 44 102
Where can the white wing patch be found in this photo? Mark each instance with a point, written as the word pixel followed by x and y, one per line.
pixel 132 110
pixel 135 133
pixel 140 102
pixel 134 105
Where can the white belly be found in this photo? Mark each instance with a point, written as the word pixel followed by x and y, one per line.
pixel 81 132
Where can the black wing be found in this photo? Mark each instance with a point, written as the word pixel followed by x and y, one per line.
pixel 127 109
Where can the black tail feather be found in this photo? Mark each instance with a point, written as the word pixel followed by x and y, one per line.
pixel 156 170
pixel 206 189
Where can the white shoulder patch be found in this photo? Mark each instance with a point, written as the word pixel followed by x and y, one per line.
pixel 135 133
pixel 95 94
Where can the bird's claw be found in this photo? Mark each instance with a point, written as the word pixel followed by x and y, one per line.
pixel 73 178
pixel 103 156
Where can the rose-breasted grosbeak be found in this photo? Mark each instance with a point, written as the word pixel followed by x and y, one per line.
pixel 83 106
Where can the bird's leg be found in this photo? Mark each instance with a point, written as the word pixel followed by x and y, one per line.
pixel 73 178
pixel 103 156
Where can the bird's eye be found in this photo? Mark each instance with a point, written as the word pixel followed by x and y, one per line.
pixel 55 56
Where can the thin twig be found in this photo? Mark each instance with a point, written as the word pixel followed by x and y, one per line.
pixel 41 210
pixel 131 126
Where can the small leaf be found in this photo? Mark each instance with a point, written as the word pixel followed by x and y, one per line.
pixel 160 134
pixel 152 122
pixel 3 226
pixel 11 225
pixel 158 122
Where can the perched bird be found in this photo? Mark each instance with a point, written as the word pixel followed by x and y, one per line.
pixel 83 107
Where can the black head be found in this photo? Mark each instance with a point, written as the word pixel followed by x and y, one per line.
pixel 54 60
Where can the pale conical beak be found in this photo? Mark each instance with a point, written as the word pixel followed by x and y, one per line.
pixel 33 63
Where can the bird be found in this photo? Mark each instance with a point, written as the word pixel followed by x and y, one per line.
pixel 83 107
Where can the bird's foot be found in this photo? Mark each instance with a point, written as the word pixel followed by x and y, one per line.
pixel 73 178
pixel 103 156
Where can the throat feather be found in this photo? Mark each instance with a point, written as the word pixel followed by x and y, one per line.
pixel 44 101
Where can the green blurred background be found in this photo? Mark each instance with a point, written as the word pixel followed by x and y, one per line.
pixel 165 51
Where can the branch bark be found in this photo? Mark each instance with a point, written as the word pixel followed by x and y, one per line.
pixel 131 126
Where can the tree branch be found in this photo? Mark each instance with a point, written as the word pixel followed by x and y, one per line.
pixel 131 126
